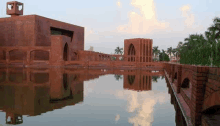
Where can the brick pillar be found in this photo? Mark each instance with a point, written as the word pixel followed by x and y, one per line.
pixel 173 71
pixel 7 75
pixel 28 57
pixel 198 88
pixel 7 57
pixel 179 74
pixel 28 75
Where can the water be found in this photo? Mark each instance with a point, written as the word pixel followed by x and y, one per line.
pixel 84 98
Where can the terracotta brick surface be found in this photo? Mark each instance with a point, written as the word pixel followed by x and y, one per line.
pixel 205 91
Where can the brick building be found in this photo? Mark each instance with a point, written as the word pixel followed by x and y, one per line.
pixel 138 50
pixel 31 38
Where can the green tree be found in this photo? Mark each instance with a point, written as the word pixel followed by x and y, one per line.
pixel 154 78
pixel 155 51
pixel 118 77
pixel 119 50
pixel 163 56
pixel 174 52
pixel 169 50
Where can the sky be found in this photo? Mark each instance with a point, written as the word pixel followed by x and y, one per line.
pixel 108 22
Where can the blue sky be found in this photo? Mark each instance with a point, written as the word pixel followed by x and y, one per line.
pixel 108 22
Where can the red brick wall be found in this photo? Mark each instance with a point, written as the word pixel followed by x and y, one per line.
pixel 212 90
pixel 198 76
pixel 17 31
pixel 143 49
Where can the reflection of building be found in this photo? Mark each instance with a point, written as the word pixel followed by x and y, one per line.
pixel 32 92
pixel 138 82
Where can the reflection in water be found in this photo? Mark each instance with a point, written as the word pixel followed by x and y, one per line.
pixel 154 78
pixel 118 77
pixel 180 120
pixel 32 92
pixel 36 91
pixel 140 97
pixel 138 82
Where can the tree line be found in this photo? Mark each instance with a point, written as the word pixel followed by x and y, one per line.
pixel 198 49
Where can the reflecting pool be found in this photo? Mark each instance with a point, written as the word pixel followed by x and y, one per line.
pixel 82 97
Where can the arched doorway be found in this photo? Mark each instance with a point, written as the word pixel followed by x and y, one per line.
pixel 65 84
pixel 131 79
pixel 65 52
pixel 131 53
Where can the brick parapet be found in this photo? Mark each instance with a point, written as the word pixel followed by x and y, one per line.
pixel 212 89
pixel 179 75
pixel 204 83
pixel 199 78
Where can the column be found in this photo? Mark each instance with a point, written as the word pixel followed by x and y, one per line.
pixel 7 57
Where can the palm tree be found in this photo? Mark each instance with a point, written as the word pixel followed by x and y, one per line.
pixel 169 50
pixel 174 52
pixel 155 51
pixel 179 44
pixel 215 35
pixel 163 53
pixel 118 77
pixel 119 50
pixel 154 78
pixel 178 48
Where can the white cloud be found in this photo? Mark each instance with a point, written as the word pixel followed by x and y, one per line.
pixel 117 117
pixel 118 3
pixel 189 17
pixel 89 86
pixel 143 104
pixel 145 22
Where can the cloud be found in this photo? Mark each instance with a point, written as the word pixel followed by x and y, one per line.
pixel 142 103
pixel 119 3
pixel 89 86
pixel 144 116
pixel 189 17
pixel 117 117
pixel 145 22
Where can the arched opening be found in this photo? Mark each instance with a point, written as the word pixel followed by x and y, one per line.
pixel 2 55
pixel 186 87
pixel 175 77
pixel 2 76
pixel 131 53
pixel 39 77
pixel 65 52
pixel 39 55
pixel 212 115
pixel 17 55
pixel 65 84
pixel 185 83
pixel 17 77
pixel 131 79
